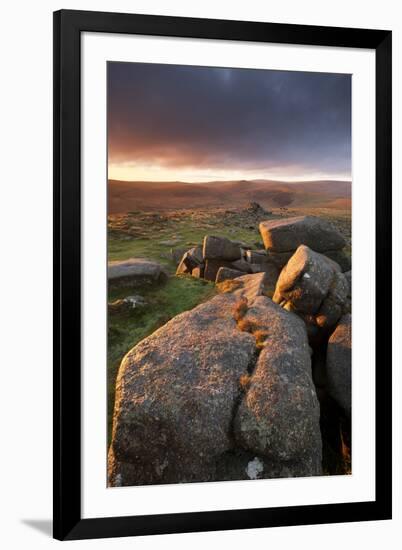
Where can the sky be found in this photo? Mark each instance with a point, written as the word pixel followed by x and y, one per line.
pixel 197 124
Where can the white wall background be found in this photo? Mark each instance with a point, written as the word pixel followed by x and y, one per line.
pixel 26 254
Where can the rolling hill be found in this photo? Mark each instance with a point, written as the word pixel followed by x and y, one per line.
pixel 124 196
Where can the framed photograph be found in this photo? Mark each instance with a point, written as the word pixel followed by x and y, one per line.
pixel 215 182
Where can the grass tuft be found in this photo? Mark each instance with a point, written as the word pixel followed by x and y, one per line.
pixel 244 381
pixel 245 325
pixel 240 309
pixel 228 286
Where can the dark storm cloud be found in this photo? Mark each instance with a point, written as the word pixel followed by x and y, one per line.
pixel 181 116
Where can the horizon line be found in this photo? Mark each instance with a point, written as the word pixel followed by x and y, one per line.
pixel 290 182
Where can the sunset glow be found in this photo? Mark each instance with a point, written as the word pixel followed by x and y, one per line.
pixel 133 172
pixel 199 124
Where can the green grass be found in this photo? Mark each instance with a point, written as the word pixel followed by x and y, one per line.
pixel 126 329
pixel 138 248
pixel 152 249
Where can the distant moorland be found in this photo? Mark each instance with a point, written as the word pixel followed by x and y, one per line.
pixel 125 196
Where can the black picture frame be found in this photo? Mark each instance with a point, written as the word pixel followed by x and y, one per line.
pixel 68 26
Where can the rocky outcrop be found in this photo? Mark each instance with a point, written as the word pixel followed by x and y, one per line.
pixel 313 286
pixel 190 260
pixel 256 256
pixel 341 258
pixel 225 391
pixel 279 415
pixel 282 237
pixel 175 396
pixel 348 276
pixel 212 267
pixel 249 287
pixel 339 364
pixel 226 273
pixel 219 254
pixel 335 303
pixel 220 248
pixel 240 464
pixel 135 272
pixel 198 272
pixel 242 265
pixel 183 412
pixel 280 259
pixel 256 209
pixel 271 274
pixel 287 234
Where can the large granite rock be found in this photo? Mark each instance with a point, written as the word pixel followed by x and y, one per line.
pixel 190 260
pixel 242 265
pixel 249 287
pixel 305 280
pixel 287 234
pixel 335 303
pixel 183 267
pixel 259 261
pixel 198 272
pixel 226 273
pixel 175 395
pixel 245 287
pixel 196 254
pixel 215 248
pixel 182 412
pixel 271 273
pixel 278 417
pixel 280 259
pixel 256 256
pixel 212 267
pixel 240 464
pixel 339 364
pixel 134 272
pixel 341 258
pixel 348 276
pixel 313 286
